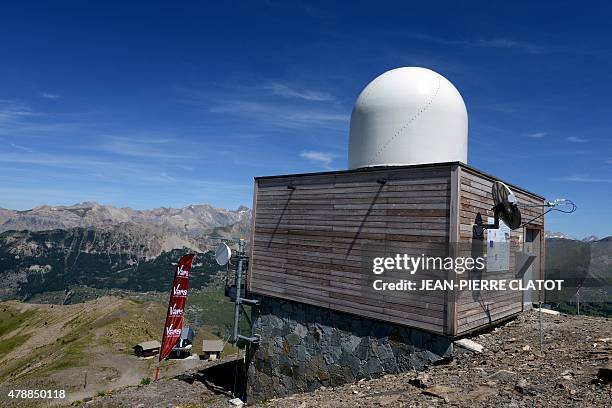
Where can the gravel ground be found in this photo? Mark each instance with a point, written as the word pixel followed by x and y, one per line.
pixel 510 371
pixel 165 393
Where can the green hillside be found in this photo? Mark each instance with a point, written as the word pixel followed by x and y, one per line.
pixel 32 263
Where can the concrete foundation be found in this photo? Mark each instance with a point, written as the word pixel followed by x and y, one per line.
pixel 304 347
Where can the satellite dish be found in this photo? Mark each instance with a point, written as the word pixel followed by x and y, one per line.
pixel 506 206
pixel 223 253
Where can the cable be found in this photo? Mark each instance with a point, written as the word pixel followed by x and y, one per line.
pixel 552 205
pixel 535 218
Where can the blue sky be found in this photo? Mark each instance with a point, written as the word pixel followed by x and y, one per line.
pixel 174 103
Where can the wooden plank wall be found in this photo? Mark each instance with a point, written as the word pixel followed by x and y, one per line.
pixel 307 241
pixel 477 309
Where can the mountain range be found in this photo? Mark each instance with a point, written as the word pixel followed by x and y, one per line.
pixel 193 220
pixel 553 234
pixel 59 248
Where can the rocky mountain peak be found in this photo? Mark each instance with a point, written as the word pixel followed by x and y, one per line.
pixel 192 220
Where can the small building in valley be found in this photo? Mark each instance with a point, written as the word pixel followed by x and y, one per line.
pixel 147 348
pixel 211 349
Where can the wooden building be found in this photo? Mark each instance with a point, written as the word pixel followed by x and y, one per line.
pixel 147 348
pixel 310 231
pixel 211 350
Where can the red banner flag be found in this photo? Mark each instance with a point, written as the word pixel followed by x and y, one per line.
pixel 176 306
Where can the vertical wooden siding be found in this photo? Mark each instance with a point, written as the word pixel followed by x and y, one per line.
pixel 475 309
pixel 307 241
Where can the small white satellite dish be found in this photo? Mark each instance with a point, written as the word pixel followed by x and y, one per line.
pixel 223 253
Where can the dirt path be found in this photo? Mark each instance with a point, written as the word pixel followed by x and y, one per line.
pixel 126 370
pixel 70 346
pixel 165 393
pixel 49 322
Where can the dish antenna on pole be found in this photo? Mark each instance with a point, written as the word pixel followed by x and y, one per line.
pixel 236 291
pixel 506 208
pixel 223 253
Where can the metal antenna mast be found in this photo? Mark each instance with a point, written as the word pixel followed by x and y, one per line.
pixel 239 300
pixel 236 292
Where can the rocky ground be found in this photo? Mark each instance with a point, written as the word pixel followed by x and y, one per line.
pixel 510 371
pixel 165 393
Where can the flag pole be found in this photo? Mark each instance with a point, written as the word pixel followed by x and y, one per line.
pixel 175 312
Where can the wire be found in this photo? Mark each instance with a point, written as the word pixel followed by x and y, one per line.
pixel 573 208
pixel 530 206
pixel 552 205
pixel 535 218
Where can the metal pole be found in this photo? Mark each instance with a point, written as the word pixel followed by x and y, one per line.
pixel 238 289
pixel 540 318
pixel 578 301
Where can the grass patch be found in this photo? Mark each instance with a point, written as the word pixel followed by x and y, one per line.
pixel 73 353
pixel 145 381
pixel 214 313
pixel 214 308
pixel 7 345
pixel 140 323
pixel 11 319
pixel 11 368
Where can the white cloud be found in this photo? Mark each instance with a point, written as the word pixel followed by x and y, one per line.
pixel 62 161
pixel 575 139
pixel 273 104
pixel 286 91
pixel 505 43
pixel 152 147
pixel 160 178
pixel 537 135
pixel 500 43
pixel 86 167
pixel 22 148
pixel 317 117
pixel 280 115
pixel 585 179
pixel 11 111
pixel 49 95
pixel 320 158
pixel 19 120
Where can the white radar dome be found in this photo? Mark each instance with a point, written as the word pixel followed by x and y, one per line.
pixel 408 115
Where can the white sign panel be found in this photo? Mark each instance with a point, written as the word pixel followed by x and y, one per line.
pixel 498 247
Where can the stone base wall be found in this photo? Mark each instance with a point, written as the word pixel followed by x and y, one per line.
pixel 304 347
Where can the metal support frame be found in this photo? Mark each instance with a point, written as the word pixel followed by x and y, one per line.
pixel 238 300
pixel 479 227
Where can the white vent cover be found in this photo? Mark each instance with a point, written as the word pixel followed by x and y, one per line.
pixel 408 115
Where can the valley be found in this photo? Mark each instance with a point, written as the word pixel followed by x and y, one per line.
pixel 87 348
